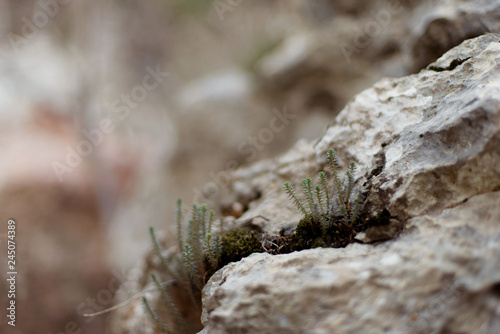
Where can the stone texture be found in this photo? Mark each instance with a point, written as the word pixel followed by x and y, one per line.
pixel 447 25
pixel 428 149
pixel 422 142
pixel 380 233
pixel 440 276
pixel 427 146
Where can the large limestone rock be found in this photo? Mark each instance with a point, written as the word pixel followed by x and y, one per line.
pixel 446 24
pixel 422 143
pixel 428 149
pixel 440 276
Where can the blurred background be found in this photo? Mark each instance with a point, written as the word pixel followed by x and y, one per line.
pixel 111 110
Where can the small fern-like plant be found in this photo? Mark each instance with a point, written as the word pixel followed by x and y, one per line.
pixel 200 252
pixel 330 216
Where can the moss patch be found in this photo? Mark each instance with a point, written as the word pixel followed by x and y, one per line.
pixel 237 244
pixel 311 234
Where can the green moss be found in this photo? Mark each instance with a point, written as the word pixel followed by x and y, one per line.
pixel 237 244
pixel 339 234
pixel 311 234
pixel 308 234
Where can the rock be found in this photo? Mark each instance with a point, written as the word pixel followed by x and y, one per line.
pixel 441 275
pixel 447 25
pixel 422 142
pixel 451 151
pixel 428 150
pixel 380 233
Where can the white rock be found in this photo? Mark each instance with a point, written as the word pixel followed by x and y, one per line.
pixel 432 279
pixel 428 146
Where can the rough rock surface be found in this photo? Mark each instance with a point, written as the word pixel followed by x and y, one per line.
pixel 428 149
pixel 422 142
pixel 447 24
pixel 440 276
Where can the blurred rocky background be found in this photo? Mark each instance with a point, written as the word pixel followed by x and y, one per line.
pixel 110 110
